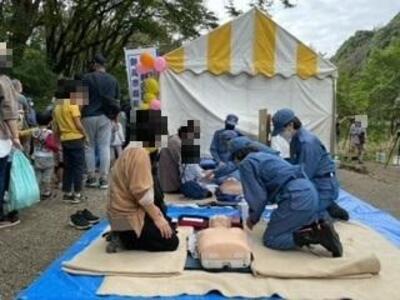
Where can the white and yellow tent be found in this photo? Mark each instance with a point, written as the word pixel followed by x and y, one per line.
pixel 241 67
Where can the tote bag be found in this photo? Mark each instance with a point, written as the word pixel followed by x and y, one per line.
pixel 24 189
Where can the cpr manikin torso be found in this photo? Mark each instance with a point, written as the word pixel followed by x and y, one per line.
pixel 231 186
pixel 221 246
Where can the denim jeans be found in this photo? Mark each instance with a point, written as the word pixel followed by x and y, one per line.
pixel 99 130
pixel 74 165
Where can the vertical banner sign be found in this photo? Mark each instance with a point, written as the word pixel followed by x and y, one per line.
pixel 135 80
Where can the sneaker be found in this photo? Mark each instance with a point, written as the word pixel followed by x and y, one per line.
pixel 71 199
pixel 321 233
pixel 91 218
pixel 91 182
pixel 79 197
pixel 45 196
pixel 103 184
pixel 336 212
pixel 10 220
pixel 78 221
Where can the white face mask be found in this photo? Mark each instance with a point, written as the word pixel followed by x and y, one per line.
pixel 286 134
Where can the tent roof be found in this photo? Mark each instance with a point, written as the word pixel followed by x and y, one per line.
pixel 252 43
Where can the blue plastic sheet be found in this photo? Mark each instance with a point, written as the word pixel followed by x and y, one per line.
pixel 56 284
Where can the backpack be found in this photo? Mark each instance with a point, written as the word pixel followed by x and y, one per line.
pixel 51 143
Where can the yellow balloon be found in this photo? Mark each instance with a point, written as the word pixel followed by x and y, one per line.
pixel 144 106
pixel 151 86
pixel 147 97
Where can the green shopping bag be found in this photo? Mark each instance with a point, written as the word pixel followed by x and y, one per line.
pixel 24 189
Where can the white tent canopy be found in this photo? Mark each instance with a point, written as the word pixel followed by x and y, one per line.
pixel 248 64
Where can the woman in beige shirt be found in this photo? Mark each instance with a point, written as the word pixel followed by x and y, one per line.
pixel 136 219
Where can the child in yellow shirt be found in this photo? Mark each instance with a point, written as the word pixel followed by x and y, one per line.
pixel 67 120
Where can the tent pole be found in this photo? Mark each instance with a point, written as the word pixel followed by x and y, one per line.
pixel 333 128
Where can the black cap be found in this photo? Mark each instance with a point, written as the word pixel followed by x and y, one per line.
pixel 100 59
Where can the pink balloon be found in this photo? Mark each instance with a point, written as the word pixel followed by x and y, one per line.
pixel 140 69
pixel 160 64
pixel 155 104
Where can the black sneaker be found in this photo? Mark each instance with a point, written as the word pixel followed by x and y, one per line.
pixel 103 184
pixel 336 212
pixel 79 222
pixel 91 182
pixel 10 220
pixel 71 199
pixel 329 239
pixel 91 218
pixel 321 233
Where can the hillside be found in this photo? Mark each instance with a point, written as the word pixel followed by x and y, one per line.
pixel 369 78
pixel 354 52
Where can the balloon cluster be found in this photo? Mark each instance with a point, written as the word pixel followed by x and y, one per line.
pixel 148 62
pixel 151 93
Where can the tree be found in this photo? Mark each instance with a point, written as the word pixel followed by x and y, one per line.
pixel 264 5
pixel 74 30
pixel 380 82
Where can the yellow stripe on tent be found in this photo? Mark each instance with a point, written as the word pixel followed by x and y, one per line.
pixel 176 60
pixel 264 45
pixel 219 50
pixel 307 62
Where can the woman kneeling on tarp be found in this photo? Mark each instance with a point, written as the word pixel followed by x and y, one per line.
pixel 135 206
pixel 268 179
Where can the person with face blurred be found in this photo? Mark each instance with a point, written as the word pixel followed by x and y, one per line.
pixel 68 127
pixel 9 137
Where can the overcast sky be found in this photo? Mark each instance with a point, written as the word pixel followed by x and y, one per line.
pixel 324 24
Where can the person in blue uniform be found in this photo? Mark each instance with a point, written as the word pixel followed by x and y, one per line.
pixel 219 144
pixel 224 168
pixel 230 166
pixel 268 179
pixel 307 150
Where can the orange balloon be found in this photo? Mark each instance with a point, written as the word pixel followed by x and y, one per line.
pixel 147 60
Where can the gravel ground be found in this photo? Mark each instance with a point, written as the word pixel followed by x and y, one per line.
pixel 28 248
pixel 43 234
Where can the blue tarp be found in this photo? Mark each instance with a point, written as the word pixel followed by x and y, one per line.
pixel 56 284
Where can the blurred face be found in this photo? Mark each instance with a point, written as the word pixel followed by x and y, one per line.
pixel 80 97
pixel 5 58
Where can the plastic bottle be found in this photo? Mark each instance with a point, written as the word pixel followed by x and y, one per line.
pixel 244 211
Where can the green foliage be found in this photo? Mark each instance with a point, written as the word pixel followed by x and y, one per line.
pixel 58 38
pixel 38 80
pixel 369 79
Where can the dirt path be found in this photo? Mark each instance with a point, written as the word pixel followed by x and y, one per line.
pixel 28 248
pixel 381 187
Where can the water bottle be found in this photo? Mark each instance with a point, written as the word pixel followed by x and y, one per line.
pixel 244 211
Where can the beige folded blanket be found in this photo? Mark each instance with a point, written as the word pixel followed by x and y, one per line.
pixel 358 258
pixel 382 286
pixel 94 260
